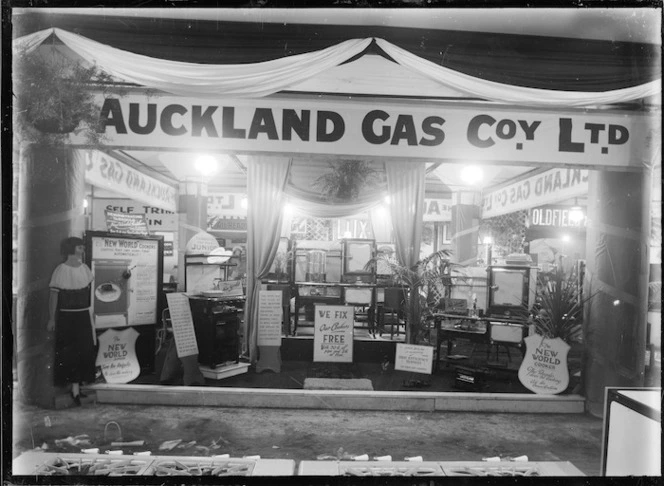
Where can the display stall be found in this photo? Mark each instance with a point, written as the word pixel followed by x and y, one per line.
pixel 267 119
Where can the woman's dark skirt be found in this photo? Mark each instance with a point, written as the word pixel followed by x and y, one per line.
pixel 74 348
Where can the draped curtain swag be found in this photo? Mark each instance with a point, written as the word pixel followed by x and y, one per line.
pixel 265 78
pixel 405 184
pixel 266 178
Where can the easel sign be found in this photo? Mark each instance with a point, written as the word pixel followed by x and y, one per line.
pixel 183 324
pixel 411 357
pixel 269 318
pixel 333 333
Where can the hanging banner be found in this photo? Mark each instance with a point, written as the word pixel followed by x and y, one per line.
pixel 333 333
pixel 130 224
pixel 157 219
pixel 437 210
pixel 390 128
pixel 548 187
pixel 107 172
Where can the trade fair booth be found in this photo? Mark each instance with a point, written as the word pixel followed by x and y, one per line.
pixel 291 299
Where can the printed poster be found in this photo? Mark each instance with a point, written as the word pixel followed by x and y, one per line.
pixel 126 279
pixel 333 333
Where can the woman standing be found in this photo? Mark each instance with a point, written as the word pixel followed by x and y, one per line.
pixel 69 316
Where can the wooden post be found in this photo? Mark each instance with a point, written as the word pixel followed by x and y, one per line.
pixel 617 277
pixel 51 192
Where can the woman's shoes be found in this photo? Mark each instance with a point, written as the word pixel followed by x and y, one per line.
pixel 77 399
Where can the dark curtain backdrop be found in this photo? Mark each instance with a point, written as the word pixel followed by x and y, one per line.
pixel 531 61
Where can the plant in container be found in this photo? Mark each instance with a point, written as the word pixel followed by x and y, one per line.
pixel 418 283
pixel 54 96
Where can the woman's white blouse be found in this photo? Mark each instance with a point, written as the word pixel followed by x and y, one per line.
pixel 66 277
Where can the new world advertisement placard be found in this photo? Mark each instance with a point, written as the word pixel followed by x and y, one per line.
pixel 333 333
pixel 544 366
pixel 127 271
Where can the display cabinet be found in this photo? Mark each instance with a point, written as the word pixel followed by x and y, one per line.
pixel 358 255
pixel 217 326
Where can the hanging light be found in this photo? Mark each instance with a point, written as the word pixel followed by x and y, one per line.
pixel 472 174
pixel 206 165
pixel 576 213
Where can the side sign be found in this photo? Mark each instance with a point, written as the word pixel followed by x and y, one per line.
pixel 544 367
pixel 410 357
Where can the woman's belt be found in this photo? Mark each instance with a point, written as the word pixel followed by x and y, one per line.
pixel 76 310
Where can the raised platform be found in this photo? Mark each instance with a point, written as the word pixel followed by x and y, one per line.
pixel 336 399
pixel 222 372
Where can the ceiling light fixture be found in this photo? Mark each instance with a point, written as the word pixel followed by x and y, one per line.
pixel 206 165
pixel 576 213
pixel 472 174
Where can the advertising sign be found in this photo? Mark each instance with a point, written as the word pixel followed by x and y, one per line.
pixel 544 366
pixel 547 187
pixel 158 219
pixel 437 210
pixel 390 128
pixel 269 317
pixel 411 357
pixel 333 333
pixel 183 324
pixel 117 355
pixel 130 224
pixel 127 277
pixel 102 170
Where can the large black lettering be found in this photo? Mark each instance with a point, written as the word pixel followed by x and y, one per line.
pixel 228 129
pixel 429 128
pixel 474 129
pixel 298 124
pixel 367 127
pixel 166 120
pixel 263 122
pixel 134 115
pixel 565 143
pixel 111 115
pixel 404 129
pixel 338 126
pixel 202 120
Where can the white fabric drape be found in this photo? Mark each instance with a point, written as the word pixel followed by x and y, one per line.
pixel 266 178
pixel 265 78
pixel 206 80
pixel 514 94
pixel 406 187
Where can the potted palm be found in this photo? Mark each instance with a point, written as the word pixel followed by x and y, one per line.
pixel 346 179
pixel 418 283
pixel 558 324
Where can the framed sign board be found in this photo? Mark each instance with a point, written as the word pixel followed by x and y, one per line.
pixel 333 333
pixel 127 280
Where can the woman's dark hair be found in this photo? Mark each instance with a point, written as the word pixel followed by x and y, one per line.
pixel 68 245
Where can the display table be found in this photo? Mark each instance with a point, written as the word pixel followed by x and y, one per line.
pixel 308 294
pixel 485 330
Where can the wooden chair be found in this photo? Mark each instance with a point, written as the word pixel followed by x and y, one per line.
pixel 392 312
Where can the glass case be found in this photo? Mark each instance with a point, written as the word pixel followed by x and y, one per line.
pixel 357 260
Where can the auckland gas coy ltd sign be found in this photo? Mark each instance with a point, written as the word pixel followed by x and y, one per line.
pixel 389 128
